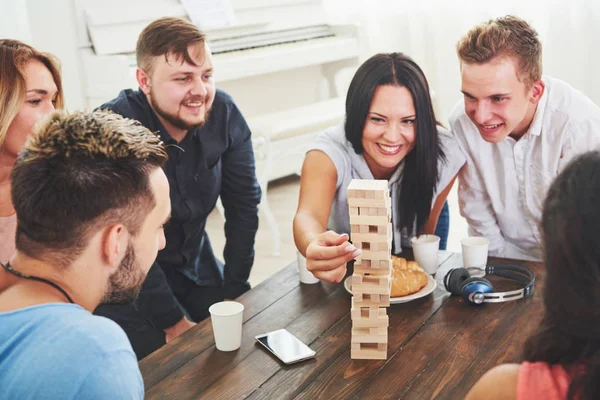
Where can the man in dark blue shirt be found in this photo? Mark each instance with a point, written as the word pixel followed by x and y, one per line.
pixel 210 155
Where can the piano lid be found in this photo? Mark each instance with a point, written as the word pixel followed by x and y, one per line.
pixel 112 26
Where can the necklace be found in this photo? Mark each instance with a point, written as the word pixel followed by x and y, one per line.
pixel 35 278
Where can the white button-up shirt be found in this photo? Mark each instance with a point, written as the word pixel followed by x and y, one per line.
pixel 503 185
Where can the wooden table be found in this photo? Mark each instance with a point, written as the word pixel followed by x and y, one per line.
pixel 438 346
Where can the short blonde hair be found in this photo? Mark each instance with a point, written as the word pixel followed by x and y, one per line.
pixel 507 36
pixel 77 173
pixel 14 55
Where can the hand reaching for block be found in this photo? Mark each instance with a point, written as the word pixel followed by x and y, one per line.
pixel 327 255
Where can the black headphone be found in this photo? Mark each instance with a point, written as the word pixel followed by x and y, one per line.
pixel 476 291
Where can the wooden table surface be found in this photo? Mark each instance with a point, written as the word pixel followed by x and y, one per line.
pixel 438 346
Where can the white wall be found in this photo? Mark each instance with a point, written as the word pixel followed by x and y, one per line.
pixel 428 30
pixel 14 21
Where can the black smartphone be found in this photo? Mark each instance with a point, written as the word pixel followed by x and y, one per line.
pixel 285 346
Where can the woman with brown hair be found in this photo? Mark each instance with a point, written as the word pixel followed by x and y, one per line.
pixel 30 87
pixel 561 359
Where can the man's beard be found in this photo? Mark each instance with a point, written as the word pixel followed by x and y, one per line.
pixel 125 283
pixel 174 119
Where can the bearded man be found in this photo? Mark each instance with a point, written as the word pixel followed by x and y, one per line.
pixel 210 156
pixel 91 200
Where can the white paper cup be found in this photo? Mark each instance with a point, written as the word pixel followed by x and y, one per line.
pixel 305 275
pixel 475 252
pixel 227 318
pixel 425 250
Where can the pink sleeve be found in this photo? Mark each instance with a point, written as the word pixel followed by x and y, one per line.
pixel 542 381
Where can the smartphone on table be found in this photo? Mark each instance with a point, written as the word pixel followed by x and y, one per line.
pixel 285 346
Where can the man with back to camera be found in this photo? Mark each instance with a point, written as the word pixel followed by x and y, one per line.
pixel 518 130
pixel 91 201
pixel 210 155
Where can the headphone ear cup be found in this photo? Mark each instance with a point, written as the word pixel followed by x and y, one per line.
pixel 482 285
pixel 471 280
pixel 453 281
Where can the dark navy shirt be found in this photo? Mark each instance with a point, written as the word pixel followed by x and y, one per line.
pixel 214 160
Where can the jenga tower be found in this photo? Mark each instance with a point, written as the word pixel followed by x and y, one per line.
pixel 371 231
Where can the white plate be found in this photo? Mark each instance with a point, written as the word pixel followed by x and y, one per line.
pixel 427 289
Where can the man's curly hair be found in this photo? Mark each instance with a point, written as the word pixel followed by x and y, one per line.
pixel 77 173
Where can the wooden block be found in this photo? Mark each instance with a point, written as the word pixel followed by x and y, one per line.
pixel 369 220
pixel 356 279
pixel 368 351
pixel 354 229
pixel 356 194
pixel 375 255
pixel 368 184
pixel 369 194
pixel 382 346
pixel 368 355
pixel 365 300
pixel 379 230
pixel 379 322
pixel 381 246
pixel 373 211
pixel 369 335
pixel 363 228
pixel 364 202
pixel 382 212
pixel 364 313
pixel 375 297
pixel 381 194
pixel 370 237
pixel 353 211
pixel 383 265
pixel 372 284
pixel 360 269
pixel 363 264
pixel 355 346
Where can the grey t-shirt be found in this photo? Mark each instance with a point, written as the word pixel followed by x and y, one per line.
pixel 350 165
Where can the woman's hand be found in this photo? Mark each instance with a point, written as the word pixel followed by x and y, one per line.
pixel 327 255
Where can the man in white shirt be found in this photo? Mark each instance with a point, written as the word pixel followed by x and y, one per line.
pixel 518 131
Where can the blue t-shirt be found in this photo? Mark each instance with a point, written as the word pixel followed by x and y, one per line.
pixel 61 351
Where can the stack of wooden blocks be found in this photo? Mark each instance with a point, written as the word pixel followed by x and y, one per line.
pixel 371 231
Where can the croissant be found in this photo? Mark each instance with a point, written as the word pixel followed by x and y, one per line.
pixel 407 277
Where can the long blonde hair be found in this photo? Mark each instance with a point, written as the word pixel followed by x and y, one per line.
pixel 14 55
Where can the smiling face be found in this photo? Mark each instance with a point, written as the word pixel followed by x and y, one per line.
pixel 390 130
pixel 180 93
pixel 496 101
pixel 41 92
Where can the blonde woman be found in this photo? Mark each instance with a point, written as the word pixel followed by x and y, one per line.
pixel 30 87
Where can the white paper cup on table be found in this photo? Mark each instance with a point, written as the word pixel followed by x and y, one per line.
pixel 227 318
pixel 305 275
pixel 475 253
pixel 425 250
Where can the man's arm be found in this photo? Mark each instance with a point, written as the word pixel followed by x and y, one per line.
pixel 474 202
pixel 158 303
pixel 240 194
pixel 582 137
pixel 475 206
